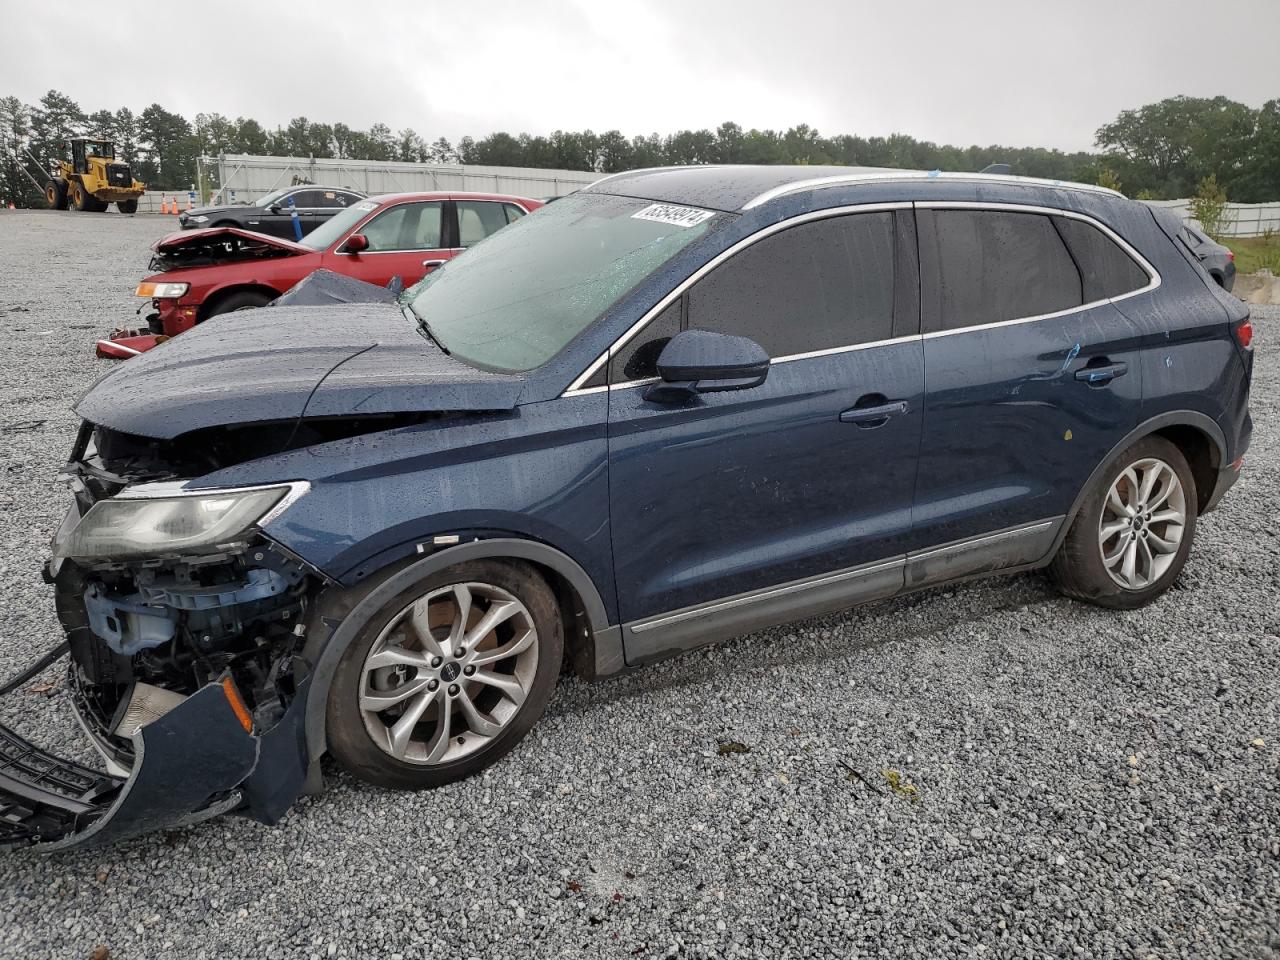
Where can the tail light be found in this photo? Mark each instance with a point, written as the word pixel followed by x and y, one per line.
pixel 1231 255
pixel 1244 333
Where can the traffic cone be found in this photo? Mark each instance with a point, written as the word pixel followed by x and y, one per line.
pixel 11 206
pixel 190 206
pixel 164 205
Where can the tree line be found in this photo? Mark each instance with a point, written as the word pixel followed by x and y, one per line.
pixel 1162 150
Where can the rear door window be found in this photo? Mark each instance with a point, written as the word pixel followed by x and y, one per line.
pixel 817 286
pixel 478 219
pixel 308 199
pixel 1107 270
pixel 989 266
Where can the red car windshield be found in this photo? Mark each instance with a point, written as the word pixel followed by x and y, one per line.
pixel 336 227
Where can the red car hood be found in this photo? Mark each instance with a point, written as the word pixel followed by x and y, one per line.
pixel 185 238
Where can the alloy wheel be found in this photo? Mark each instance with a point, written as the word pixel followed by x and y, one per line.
pixel 448 673
pixel 1142 523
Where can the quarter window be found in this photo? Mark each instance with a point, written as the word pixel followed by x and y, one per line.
pixel 335 199
pixel 816 286
pixel 638 358
pixel 1107 270
pixel 988 266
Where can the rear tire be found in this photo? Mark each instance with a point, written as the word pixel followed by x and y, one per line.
pixel 240 300
pixel 1133 532
pixel 55 192
pixel 487 707
pixel 127 206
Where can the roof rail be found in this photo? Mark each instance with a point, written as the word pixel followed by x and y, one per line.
pixel 906 175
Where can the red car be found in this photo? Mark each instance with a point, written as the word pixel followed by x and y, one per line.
pixel 203 273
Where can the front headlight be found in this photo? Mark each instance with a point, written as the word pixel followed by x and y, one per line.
pixel 162 291
pixel 199 218
pixel 145 527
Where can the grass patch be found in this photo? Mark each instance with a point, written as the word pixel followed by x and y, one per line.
pixel 1255 253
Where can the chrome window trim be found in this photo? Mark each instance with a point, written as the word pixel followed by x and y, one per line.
pixel 1153 274
pixel 917 175
pixel 828 352
pixel 575 388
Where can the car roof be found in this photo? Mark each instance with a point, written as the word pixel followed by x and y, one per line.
pixel 734 187
pixel 316 186
pixel 449 195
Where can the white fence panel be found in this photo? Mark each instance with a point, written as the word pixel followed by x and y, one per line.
pixel 247 177
pixel 1240 220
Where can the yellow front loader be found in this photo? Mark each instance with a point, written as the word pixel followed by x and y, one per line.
pixel 92 179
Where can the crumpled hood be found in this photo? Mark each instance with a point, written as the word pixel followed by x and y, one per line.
pixel 190 238
pixel 275 364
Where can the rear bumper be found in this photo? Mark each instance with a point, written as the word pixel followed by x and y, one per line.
pixel 194 762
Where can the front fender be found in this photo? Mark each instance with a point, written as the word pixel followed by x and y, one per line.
pixel 343 613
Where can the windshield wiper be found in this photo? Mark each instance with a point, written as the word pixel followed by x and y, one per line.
pixel 423 326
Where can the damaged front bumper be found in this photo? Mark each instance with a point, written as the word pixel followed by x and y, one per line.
pixel 196 761
pixel 183 673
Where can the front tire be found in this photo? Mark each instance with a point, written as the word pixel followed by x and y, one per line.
pixel 85 201
pixel 240 300
pixel 448 677
pixel 127 206
pixel 1133 533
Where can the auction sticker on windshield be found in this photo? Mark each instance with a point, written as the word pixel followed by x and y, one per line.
pixel 676 216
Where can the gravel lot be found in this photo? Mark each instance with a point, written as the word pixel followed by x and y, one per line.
pixel 1087 783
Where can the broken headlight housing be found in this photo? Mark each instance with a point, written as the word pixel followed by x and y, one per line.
pixel 147 523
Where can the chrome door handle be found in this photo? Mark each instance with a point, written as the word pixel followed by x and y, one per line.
pixel 1102 374
pixel 428 264
pixel 873 416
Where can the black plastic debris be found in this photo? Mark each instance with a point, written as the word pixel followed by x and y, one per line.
pixel 324 287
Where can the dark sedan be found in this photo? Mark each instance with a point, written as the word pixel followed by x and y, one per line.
pixel 273 214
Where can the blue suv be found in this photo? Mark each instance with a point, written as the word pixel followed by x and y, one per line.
pixel 677 406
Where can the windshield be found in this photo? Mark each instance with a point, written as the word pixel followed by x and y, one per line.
pixel 515 300
pixel 271 197
pixel 337 226
pixel 100 148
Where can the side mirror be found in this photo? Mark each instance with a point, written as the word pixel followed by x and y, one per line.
pixel 274 208
pixel 355 243
pixel 699 361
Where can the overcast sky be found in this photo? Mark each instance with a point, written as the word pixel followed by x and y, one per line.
pixel 1015 72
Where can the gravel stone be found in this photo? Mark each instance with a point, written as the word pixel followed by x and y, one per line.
pixel 1090 783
